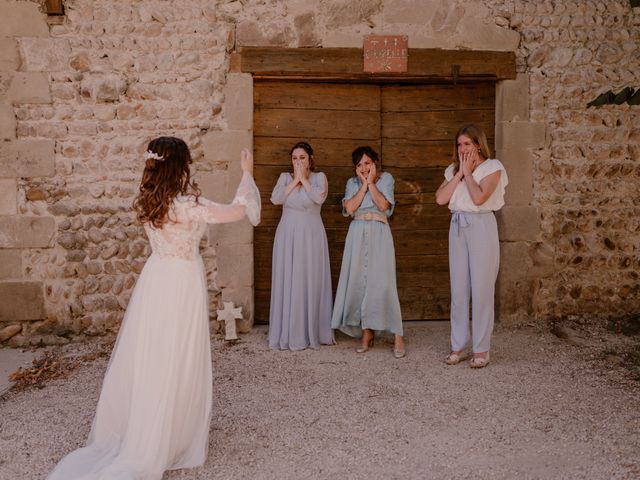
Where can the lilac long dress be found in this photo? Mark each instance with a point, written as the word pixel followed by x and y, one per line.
pixel 301 303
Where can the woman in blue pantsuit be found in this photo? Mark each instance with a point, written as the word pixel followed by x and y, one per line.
pixel 367 297
pixel 474 188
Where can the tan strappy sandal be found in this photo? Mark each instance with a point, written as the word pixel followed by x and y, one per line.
pixel 477 362
pixel 455 358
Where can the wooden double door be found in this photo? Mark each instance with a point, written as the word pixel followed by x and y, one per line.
pixel 412 127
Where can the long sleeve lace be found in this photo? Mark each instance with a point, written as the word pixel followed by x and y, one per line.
pixel 249 196
pixel 246 201
pixel 278 196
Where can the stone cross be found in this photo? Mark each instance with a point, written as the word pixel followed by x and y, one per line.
pixel 229 314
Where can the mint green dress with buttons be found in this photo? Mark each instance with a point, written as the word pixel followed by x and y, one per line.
pixel 367 295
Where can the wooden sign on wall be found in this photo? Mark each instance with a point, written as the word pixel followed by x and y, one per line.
pixel 385 53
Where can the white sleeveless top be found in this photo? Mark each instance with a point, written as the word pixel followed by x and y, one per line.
pixel 461 199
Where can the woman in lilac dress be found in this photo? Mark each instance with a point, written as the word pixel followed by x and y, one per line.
pixel 300 314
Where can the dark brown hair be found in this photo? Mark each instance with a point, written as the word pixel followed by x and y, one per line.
pixel 307 148
pixel 479 138
pixel 360 152
pixel 163 179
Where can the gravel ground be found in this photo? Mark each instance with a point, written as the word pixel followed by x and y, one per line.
pixel 541 410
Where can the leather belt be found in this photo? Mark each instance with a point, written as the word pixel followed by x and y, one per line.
pixel 379 217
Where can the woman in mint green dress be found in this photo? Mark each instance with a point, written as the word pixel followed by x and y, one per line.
pixel 367 297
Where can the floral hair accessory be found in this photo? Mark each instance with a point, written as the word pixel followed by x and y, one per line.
pixel 149 154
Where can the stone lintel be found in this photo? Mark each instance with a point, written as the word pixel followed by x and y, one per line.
pixel 518 223
pixel 26 232
pixel 21 300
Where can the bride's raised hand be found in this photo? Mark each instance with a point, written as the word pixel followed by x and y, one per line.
pixel 246 161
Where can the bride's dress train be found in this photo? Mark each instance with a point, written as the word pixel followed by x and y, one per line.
pixel 155 405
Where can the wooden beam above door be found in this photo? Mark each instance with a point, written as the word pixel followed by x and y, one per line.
pixel 347 64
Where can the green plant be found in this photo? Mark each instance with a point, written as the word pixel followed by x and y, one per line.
pixel 627 94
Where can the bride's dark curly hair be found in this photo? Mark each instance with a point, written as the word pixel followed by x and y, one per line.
pixel 163 179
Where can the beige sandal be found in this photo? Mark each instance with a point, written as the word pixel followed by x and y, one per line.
pixel 477 362
pixel 455 358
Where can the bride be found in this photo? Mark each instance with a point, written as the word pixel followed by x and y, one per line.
pixel 155 405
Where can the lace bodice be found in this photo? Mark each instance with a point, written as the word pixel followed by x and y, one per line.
pixel 180 236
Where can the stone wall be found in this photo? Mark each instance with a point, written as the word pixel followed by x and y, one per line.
pixel 81 95
pixel 586 176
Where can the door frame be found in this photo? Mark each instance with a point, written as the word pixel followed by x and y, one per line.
pixel 519 224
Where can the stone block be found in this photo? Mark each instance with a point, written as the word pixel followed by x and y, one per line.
pixel 515 285
pixel 22 19
pixel 274 34
pixel 7 122
pixel 351 13
pixel 9 331
pixel 26 232
pixel 9 56
pixel 235 265
pixel 409 11
pixel 10 264
pixel 8 197
pixel 103 87
pixel 44 54
pixel 21 301
pixel 231 233
pixel 520 134
pixel 213 185
pixel 519 165
pixel 512 99
pixel 477 35
pixel 241 297
pixel 224 147
pixel 29 87
pixel 238 105
pixel 517 223
pixel 305 30
pixel 27 158
pixel 347 38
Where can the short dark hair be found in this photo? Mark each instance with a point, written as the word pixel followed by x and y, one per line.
pixel 360 152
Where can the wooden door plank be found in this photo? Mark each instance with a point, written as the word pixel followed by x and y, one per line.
pixel 420 98
pixel 272 122
pixel 439 125
pixel 328 152
pixel 317 96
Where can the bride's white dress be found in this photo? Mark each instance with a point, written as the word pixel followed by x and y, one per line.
pixel 154 409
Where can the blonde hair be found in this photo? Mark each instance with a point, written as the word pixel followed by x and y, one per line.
pixel 477 135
